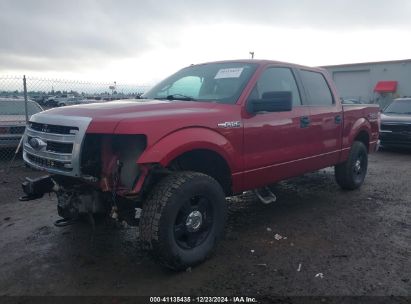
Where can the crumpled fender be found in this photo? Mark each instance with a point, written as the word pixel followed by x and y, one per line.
pixel 171 146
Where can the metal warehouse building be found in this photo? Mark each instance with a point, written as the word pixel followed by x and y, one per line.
pixel 373 82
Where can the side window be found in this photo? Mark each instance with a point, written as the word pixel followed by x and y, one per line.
pixel 276 80
pixel 318 92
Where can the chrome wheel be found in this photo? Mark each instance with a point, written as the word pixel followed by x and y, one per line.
pixel 359 167
pixel 194 221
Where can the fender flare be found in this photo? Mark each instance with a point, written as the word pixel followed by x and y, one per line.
pixel 184 140
pixel 360 125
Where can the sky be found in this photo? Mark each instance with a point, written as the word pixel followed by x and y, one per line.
pixel 132 41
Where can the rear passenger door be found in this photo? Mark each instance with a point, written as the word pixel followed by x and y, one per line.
pixel 325 121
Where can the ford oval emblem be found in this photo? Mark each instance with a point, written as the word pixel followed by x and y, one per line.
pixel 36 143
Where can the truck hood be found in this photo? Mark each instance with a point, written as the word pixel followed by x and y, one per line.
pixel 395 118
pixel 105 117
pixel 117 109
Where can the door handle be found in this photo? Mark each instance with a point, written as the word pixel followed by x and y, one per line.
pixel 304 121
pixel 338 119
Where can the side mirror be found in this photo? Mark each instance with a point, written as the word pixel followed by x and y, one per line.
pixel 276 101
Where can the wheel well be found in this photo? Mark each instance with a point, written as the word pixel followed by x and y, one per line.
pixel 364 138
pixel 207 162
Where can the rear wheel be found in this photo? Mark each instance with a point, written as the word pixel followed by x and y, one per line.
pixel 183 218
pixel 350 175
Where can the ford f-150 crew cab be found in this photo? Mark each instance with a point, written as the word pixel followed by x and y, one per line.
pixel 207 132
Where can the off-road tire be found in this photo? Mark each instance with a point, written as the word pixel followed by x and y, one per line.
pixel 345 174
pixel 159 215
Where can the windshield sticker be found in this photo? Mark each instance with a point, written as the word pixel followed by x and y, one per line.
pixel 229 73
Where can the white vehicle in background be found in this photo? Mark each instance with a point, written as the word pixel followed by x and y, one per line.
pixel 13 120
pixel 63 100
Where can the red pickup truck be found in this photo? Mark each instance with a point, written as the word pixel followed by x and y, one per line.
pixel 205 133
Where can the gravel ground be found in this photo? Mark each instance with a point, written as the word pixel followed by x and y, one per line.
pixel 317 240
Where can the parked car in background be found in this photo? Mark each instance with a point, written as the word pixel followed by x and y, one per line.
pixel 13 120
pixel 40 99
pixel 50 101
pixel 62 100
pixel 396 124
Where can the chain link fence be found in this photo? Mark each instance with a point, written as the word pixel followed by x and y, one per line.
pixel 21 97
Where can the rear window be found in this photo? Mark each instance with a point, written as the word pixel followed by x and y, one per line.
pixel 316 87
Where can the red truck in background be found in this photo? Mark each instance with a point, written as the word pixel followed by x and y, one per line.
pixel 207 132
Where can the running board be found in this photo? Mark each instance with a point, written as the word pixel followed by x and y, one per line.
pixel 267 198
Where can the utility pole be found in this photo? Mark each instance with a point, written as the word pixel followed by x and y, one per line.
pixel 25 99
pixel 252 55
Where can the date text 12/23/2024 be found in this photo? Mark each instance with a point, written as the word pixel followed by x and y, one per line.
pixel 239 299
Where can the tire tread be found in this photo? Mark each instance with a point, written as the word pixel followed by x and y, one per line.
pixel 153 210
pixel 343 170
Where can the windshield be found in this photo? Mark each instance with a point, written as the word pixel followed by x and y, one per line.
pixel 399 107
pixel 16 107
pixel 218 82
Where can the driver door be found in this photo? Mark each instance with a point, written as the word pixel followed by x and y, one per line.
pixel 275 143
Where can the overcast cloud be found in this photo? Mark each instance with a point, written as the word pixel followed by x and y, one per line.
pixel 92 38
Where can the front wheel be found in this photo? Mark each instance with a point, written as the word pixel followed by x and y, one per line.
pixel 183 218
pixel 350 175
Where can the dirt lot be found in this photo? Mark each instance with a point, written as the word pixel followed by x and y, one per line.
pixel 360 241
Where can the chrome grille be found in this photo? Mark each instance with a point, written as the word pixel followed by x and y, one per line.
pixel 41 127
pixel 53 143
pixel 47 163
pixel 56 147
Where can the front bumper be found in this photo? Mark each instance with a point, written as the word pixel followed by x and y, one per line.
pixel 400 139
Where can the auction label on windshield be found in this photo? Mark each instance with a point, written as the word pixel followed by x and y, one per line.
pixel 229 73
